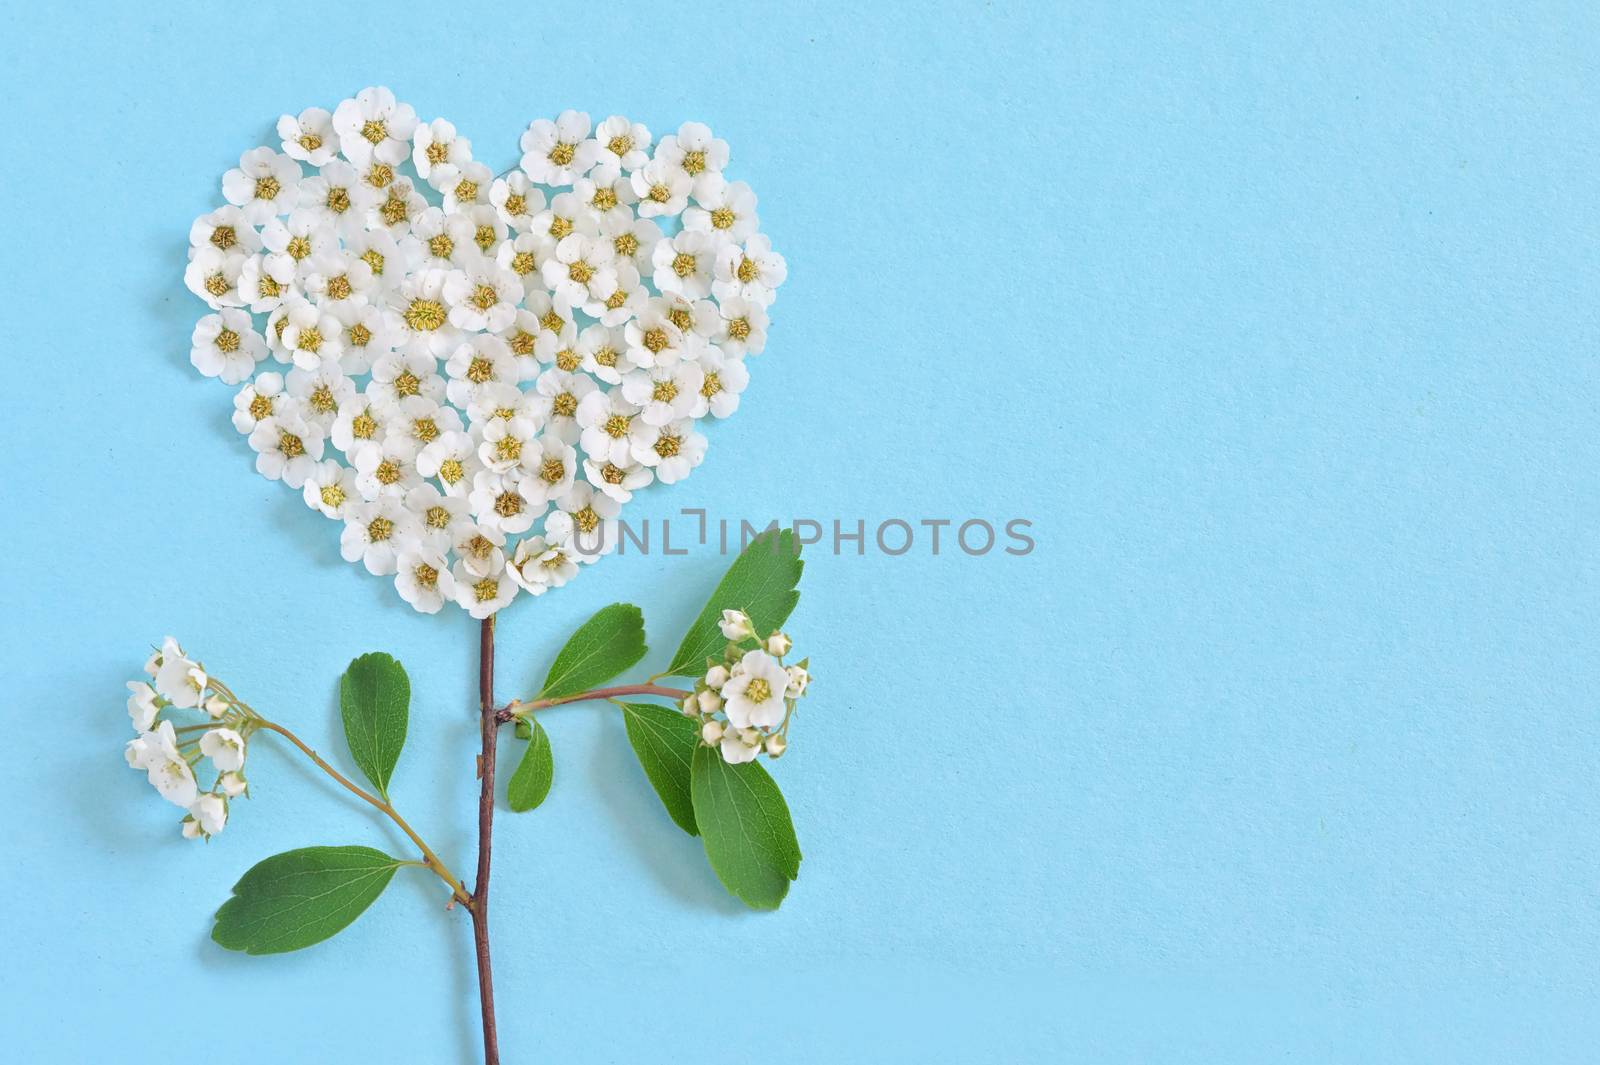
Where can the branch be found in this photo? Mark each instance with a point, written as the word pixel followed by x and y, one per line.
pixel 518 707
pixel 480 896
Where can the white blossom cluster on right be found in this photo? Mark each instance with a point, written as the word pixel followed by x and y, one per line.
pixel 469 354
pixel 744 703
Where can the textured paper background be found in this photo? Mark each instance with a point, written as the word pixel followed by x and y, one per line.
pixel 1278 320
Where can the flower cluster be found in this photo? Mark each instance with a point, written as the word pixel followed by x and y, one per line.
pixel 468 354
pixel 170 754
pixel 744 702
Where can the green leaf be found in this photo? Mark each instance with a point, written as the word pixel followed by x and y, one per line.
pixel 664 741
pixel 535 773
pixel 604 646
pixel 761 582
pixel 300 897
pixel 744 824
pixel 374 695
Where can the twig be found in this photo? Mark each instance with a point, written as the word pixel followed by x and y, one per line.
pixel 490 728
pixel 517 707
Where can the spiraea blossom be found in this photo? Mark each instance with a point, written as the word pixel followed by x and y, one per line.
pixel 534 347
pixel 189 726
pixel 746 699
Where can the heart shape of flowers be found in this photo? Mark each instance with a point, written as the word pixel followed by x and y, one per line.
pixel 468 355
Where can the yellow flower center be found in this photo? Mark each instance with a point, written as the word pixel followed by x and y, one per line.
pixel 522 343
pixel 479 547
pixel 388 471
pixel 338 200
pixel 665 392
pixel 425 575
pixel 216 284
pixel 332 496
pixel 612 474
pixel 586 520
pixel 748 270
pixel 626 244
pixel 655 340
pixel 553 471
pixel 616 300
pixel 224 237
pixel 606 356
pixel 227 341
pixel 466 191
pixel 516 205
pixel 321 400
pixel 565 405
pixel 552 321
pixel 484 297
pixel 310 340
pixel 299 248
pixel 508 504
pixel 722 218
pixel 380 175
pixel 508 449
pixel 567 359
pixel 407 383
pixel 580 272
pixel 712 385
pixel 438 152
pixel 267 188
pixel 667 446
pixel 522 263
pixel 758 691
pixel 604 199
pixel 424 315
pixel 680 317
pixel 660 193
pixel 291 446
pixel 486 589
pixel 451 471
pixel 339 287
pixel 373 259
pixel 363 426
pixel 379 530
pixel 739 328
pixel 620 145
pixel 562 153
pixel 484 237
pixel 310 141
pixel 269 288
pixel 437 517
pixel 560 227
pixel 395 209
pixel 360 335
pixel 260 406
pixel 616 426
pixel 694 162
pixel 683 264
pixel 425 429
pixel 479 370
pixel 374 130
pixel 441 246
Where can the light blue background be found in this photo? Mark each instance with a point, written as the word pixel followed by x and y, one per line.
pixel 1278 320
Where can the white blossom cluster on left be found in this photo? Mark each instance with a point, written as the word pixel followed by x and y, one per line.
pixel 170 754
pixel 468 354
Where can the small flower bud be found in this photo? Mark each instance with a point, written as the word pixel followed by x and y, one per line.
pixel 710 702
pixel 776 745
pixel 711 731
pixel 232 784
pixel 716 677
pixel 191 828
pixel 778 644
pixel 799 678
pixel 216 706
pixel 691 706
pixel 750 737
pixel 736 625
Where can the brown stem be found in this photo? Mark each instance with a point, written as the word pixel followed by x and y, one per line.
pixel 518 707
pixel 480 895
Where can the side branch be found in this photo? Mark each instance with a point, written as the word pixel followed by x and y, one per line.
pixel 519 708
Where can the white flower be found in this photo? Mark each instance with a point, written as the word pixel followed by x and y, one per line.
pixel 441 241
pixel 143 705
pixel 165 768
pixel 622 143
pixel 440 518
pixel 337 198
pixel 224 747
pixel 554 153
pixel 418 421
pixel 605 418
pixel 257 401
pixel 778 644
pixel 368 333
pixel 376 533
pixel 382 254
pixel 663 394
pixel 482 361
pixel 482 595
pixel 552 464
pixel 579 270
pixel 604 353
pixel 467 186
pixel 693 150
pixel 438 153
pixel 297 239
pixel 626 297
pixel 312 335
pixel 617 480
pixel 320 393
pixel 517 200
pixel 338 277
pixel 287 448
pixel 684 264
pixel 503 442
pixel 724 378
pixel 585 519
pixel 225 345
pixel 503 501
pixel 481 549
pixel 360 418
pixel 755 697
pixel 740 746
pixel 452 460
pixel 652 336
pixel 662 188
pixel 266 282
pixel 264 184
pixel 735 625
pixel 606 193
pixel 213 275
pixel 672 450
pixel 482 296
pixel 561 394
pixel 523 256
pixel 741 326
pixel 209 813
pixel 309 137
pixel 754 271
pixel 424 580
pixel 540 565
pixel 401 205
pixel 331 489
pixel 725 208
pixel 632 239
pixel 799 680
pixel 385 470
pixel 401 375
pixel 374 127
pixel 227 230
